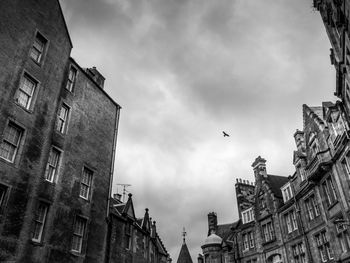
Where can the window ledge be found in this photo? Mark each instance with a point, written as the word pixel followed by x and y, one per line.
pixel 23 108
pixel 332 205
pixel 37 243
pixel 77 254
pixel 39 63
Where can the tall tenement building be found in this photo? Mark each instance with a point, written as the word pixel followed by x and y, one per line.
pixel 58 131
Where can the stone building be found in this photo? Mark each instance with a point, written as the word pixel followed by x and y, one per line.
pixel 299 218
pixel 58 131
pixel 133 239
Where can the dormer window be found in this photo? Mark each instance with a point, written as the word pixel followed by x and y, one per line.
pixel 248 215
pixel 287 192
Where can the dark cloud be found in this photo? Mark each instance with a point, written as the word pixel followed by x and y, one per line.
pixel 183 71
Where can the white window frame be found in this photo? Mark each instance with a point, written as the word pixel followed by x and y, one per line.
pixel 86 184
pixel 52 176
pixel 287 192
pixel 29 96
pixel 79 231
pixel 39 221
pixel 62 120
pixel 248 215
pixel 13 145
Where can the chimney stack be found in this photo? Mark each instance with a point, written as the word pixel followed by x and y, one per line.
pixel 259 167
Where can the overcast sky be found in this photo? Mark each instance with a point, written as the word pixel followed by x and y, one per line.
pixel 184 71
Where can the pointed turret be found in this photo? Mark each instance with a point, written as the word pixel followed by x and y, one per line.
pixel 184 256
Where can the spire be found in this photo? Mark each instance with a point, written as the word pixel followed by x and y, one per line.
pixel 184 256
pixel 184 234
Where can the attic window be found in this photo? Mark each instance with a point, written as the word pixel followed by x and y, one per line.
pixel 248 215
pixel 287 192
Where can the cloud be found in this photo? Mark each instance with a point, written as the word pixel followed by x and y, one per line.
pixel 183 71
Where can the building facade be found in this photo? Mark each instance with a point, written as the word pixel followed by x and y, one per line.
pixel 300 218
pixel 132 239
pixel 58 132
pixel 303 217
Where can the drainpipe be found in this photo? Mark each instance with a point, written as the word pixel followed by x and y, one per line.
pixel 113 157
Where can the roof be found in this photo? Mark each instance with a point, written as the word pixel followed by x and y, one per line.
pixel 224 230
pixel 276 182
pixel 184 256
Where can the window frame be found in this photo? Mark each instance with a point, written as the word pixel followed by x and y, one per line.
pixel 56 167
pixel 268 232
pixel 6 141
pixel 40 222
pixel 287 192
pixel 70 84
pixel 42 53
pixel 4 193
pixel 323 246
pixel 62 123
pixel 79 236
pixel 88 185
pixel 248 215
pixel 31 97
pixel 329 191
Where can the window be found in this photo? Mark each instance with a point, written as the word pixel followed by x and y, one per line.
pixel 128 236
pixel 337 126
pixel 251 239
pixel 245 242
pixel 78 234
pixel 262 202
pixel 38 48
pixel 52 165
pixel 299 253
pixel 301 171
pixel 3 193
pixel 291 221
pixel 323 247
pixel 313 145
pixel 329 191
pixel 287 192
pixel 71 79
pixel 10 143
pixel 346 165
pixel 343 237
pixel 25 93
pixel 248 215
pixel 85 185
pixel 312 207
pixel 39 221
pixel 62 118
pixel 268 232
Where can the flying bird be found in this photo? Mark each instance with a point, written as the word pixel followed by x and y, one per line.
pixel 225 134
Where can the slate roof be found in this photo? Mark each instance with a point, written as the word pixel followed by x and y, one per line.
pixel 276 182
pixel 223 231
pixel 184 256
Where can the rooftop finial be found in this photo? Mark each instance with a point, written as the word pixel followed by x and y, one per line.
pixel 184 234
